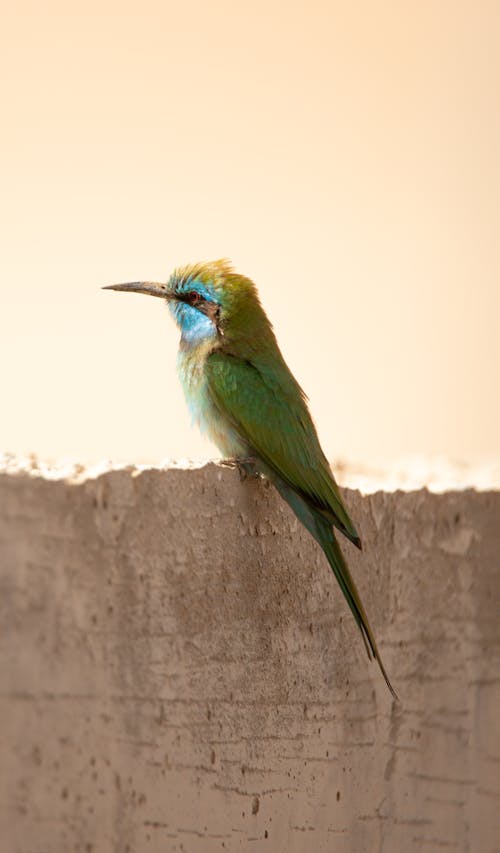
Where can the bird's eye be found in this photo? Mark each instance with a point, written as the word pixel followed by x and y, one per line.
pixel 193 297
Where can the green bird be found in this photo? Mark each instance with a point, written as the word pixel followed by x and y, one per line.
pixel 243 396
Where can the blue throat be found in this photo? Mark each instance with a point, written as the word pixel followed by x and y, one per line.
pixel 195 326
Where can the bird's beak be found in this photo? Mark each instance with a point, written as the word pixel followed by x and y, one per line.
pixel 150 288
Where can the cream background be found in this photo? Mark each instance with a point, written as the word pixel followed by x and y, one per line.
pixel 344 155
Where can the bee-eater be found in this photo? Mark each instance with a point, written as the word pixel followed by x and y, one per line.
pixel 242 394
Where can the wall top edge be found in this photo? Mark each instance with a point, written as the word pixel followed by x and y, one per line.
pixel 436 474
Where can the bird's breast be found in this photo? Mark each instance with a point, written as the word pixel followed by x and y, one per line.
pixel 191 365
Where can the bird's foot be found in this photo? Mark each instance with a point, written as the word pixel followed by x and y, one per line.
pixel 246 467
pixel 228 463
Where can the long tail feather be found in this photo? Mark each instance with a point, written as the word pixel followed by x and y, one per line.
pixel 334 555
pixel 322 531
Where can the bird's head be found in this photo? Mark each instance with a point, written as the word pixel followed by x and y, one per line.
pixel 207 301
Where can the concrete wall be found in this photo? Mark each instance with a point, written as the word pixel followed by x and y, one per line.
pixel 180 673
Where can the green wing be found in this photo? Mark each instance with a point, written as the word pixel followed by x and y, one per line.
pixel 269 412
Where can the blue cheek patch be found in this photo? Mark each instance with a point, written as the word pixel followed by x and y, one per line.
pixel 195 326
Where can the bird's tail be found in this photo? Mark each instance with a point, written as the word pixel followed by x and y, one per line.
pixel 328 542
pixel 322 531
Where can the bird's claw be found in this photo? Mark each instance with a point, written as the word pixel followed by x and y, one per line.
pixel 246 467
pixel 228 463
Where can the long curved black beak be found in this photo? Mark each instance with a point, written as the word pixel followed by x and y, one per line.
pixel 150 288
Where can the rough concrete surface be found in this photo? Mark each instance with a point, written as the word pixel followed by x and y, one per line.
pixel 179 671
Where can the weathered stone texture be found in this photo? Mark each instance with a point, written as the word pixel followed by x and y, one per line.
pixel 179 671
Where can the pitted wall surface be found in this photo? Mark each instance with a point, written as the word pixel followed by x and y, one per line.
pixel 179 671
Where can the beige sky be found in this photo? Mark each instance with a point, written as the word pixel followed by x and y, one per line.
pixel 343 155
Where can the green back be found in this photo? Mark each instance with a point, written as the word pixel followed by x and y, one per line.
pixel 267 408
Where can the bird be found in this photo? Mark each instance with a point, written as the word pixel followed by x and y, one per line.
pixel 242 395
